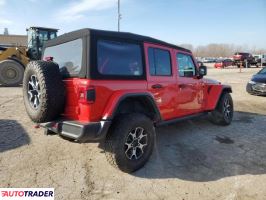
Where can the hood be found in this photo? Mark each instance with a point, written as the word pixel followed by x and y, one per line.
pixel 211 81
pixel 259 78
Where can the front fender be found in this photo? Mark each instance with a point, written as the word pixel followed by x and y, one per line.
pixel 214 93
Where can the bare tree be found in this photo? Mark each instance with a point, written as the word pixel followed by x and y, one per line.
pixel 222 50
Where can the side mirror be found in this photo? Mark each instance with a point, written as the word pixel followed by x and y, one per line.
pixel 202 71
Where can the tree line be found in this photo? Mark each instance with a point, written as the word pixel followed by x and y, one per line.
pixel 221 50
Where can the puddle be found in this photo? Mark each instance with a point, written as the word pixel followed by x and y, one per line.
pixel 224 140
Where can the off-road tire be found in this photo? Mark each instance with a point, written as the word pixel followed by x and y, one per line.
pixel 218 116
pixel 117 136
pixel 52 91
pixel 11 73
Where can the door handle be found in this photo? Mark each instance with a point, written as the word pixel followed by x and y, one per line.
pixel 181 86
pixel 157 86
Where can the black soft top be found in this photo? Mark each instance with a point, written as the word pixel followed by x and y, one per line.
pixel 123 35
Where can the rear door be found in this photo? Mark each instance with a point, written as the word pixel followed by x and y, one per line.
pixel 161 78
pixel 190 88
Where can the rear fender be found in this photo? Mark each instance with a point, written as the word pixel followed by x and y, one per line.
pixel 119 96
pixel 214 93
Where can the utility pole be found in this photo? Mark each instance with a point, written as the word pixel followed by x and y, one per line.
pixel 119 15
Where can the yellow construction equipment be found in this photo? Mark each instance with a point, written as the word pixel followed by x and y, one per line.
pixel 13 60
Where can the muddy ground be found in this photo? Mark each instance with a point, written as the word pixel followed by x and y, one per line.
pixel 192 160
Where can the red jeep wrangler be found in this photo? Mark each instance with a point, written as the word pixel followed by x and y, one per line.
pixel 116 86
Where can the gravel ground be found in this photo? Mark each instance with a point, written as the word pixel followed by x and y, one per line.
pixel 192 160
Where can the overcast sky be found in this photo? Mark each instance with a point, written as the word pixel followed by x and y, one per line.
pixel 198 22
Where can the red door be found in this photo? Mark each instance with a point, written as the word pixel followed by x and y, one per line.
pixel 190 98
pixel 161 78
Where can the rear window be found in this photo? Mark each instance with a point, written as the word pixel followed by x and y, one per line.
pixel 68 56
pixel 116 58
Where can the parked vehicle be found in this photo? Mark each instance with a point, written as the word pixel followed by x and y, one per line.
pixel 244 59
pixel 209 60
pixel 260 59
pixel 257 84
pixel 263 59
pixel 13 60
pixel 118 87
pixel 223 63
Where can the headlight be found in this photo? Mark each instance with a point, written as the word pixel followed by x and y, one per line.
pixel 252 82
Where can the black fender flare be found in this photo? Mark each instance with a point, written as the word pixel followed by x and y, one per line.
pixel 149 99
pixel 225 88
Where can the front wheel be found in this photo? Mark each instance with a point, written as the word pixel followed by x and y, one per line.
pixel 130 142
pixel 224 111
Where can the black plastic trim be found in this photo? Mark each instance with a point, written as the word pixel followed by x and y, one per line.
pixel 162 123
pixel 225 88
pixel 146 95
pixel 80 132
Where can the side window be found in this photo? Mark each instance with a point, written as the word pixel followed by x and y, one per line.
pixel 186 67
pixel 159 62
pixel 119 58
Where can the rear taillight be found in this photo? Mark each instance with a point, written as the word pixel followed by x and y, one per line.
pixel 87 95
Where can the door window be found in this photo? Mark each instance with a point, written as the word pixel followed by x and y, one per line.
pixel 186 66
pixel 159 62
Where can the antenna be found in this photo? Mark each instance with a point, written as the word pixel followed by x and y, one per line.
pixel 119 15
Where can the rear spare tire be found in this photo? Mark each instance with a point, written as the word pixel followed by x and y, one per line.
pixel 11 73
pixel 43 91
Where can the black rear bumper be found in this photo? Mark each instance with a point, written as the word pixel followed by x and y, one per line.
pixel 80 132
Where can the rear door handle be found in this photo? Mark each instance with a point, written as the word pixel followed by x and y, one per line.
pixel 181 86
pixel 157 86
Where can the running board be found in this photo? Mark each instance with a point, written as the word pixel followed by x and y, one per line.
pixel 162 123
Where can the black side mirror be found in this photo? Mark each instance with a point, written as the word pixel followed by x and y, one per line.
pixel 202 70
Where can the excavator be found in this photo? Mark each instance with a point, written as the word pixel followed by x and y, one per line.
pixel 13 60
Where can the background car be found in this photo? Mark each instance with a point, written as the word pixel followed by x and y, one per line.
pixel 257 84
pixel 223 63
pixel 243 59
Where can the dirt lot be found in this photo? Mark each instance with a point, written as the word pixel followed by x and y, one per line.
pixel 192 160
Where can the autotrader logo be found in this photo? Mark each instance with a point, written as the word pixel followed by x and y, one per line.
pixel 26 193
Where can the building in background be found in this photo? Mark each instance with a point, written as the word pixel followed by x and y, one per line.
pixel 12 40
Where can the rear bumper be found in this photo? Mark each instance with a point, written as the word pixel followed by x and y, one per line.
pixel 80 132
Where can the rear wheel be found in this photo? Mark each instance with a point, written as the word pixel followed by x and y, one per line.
pixel 11 73
pixel 130 142
pixel 223 113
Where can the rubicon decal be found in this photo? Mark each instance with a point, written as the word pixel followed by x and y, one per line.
pixel 26 193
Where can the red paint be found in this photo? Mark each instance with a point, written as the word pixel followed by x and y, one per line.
pixel 178 97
